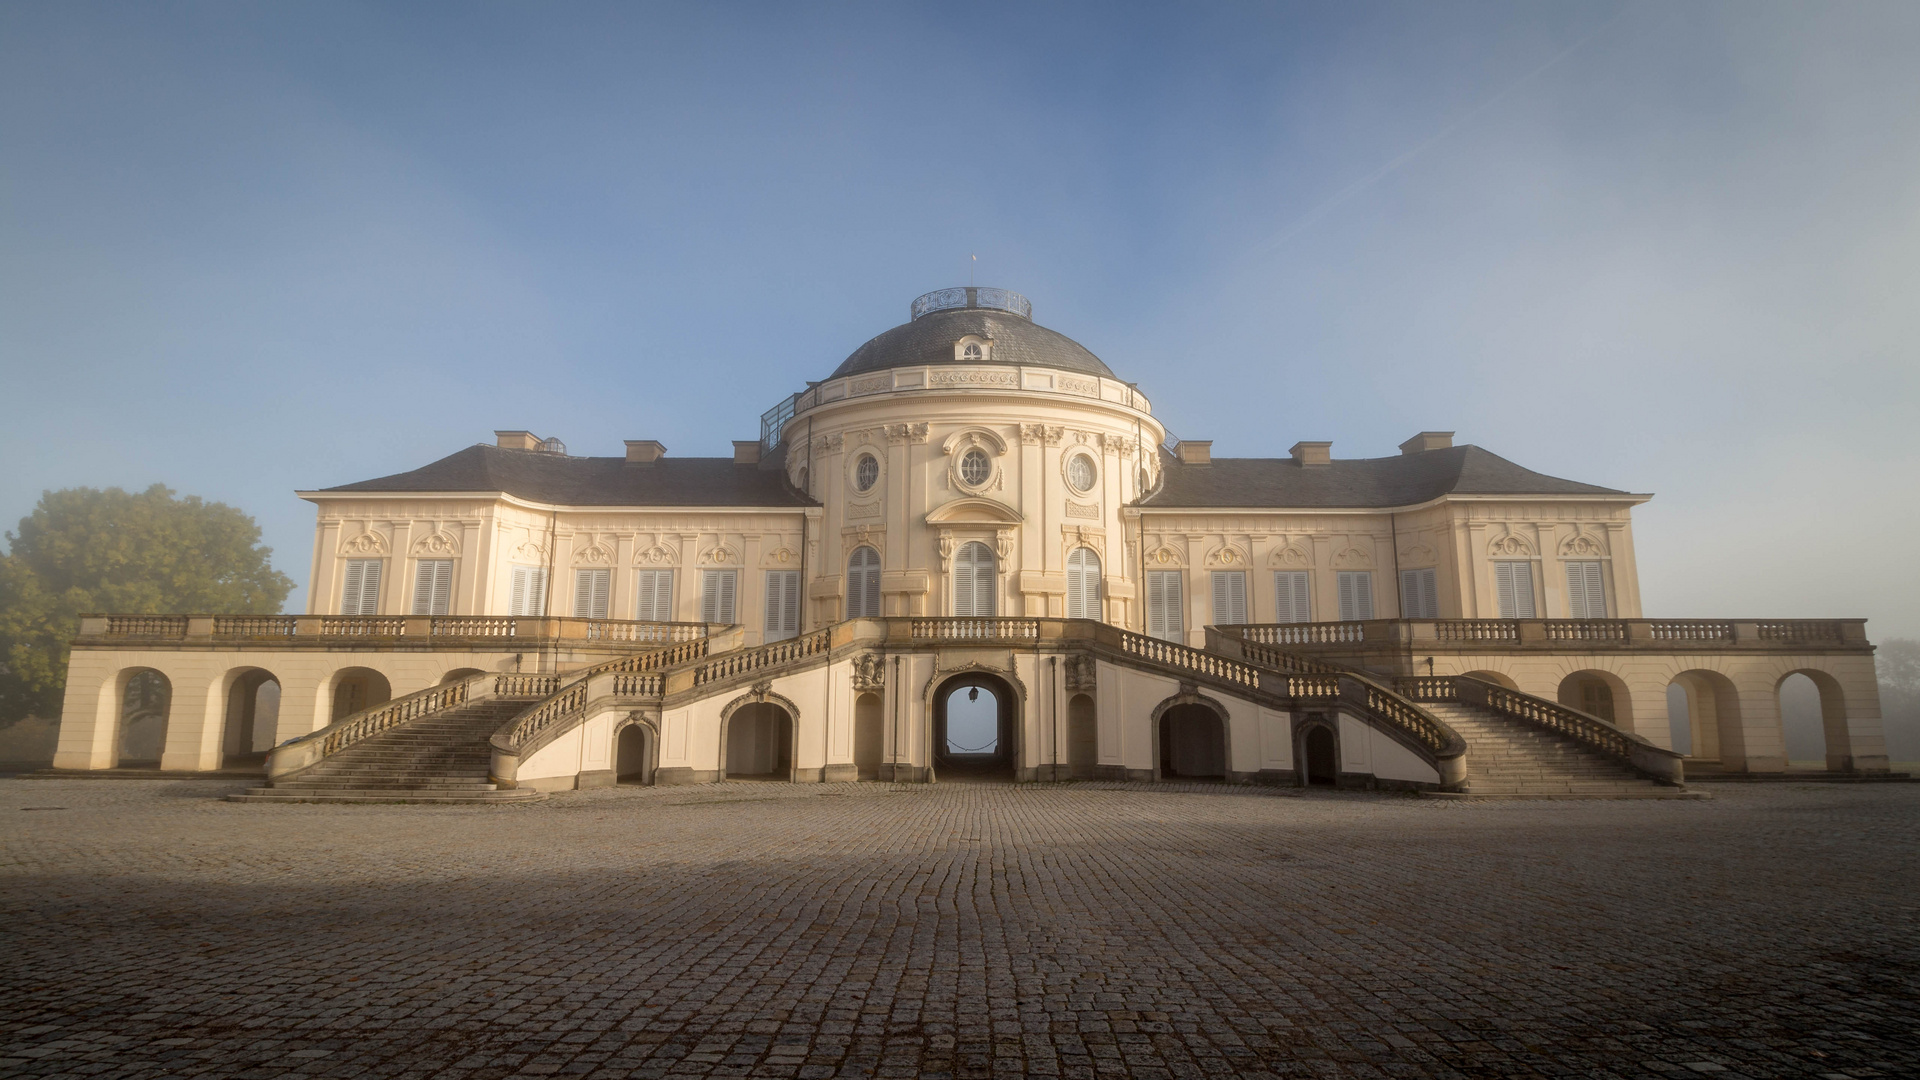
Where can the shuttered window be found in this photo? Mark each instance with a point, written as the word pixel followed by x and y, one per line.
pixel 361 595
pixel 1229 598
pixel 592 592
pixel 716 595
pixel 1290 602
pixel 783 604
pixel 1083 584
pixel 974 579
pixel 433 587
pixel 655 600
pixel 1586 593
pixel 1356 595
pixel 1419 594
pixel 1513 586
pixel 863 584
pixel 1163 605
pixel 529 591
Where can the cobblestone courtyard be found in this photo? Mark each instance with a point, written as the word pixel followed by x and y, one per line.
pixel 861 930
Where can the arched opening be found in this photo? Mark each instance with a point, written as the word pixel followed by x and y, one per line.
pixel 1813 721
pixel 460 675
pixel 1703 717
pixel 863 583
pixel 1598 693
pixel 1083 737
pixel 973 729
pixel 759 743
pixel 1320 756
pixel 1083 584
pixel 144 706
pixel 357 688
pixel 632 763
pixel 253 718
pixel 974 580
pixel 869 737
pixel 1494 677
pixel 1193 743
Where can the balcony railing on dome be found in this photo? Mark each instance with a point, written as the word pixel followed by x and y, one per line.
pixel 773 420
pixel 972 296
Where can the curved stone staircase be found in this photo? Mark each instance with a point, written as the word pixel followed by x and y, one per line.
pixel 440 758
pixel 1508 759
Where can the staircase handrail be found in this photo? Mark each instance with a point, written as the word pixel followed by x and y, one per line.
pixel 1593 732
pixel 1307 677
pixel 305 751
pixel 569 696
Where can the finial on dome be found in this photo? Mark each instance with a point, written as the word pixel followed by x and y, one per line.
pixel 973 296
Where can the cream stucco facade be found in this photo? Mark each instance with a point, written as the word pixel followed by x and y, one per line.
pixel 964 491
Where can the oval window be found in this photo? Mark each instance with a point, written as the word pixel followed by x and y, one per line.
pixel 1080 472
pixel 975 468
pixel 866 472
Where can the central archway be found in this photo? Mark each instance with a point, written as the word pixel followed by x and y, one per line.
pixel 758 743
pixel 1193 743
pixel 974 734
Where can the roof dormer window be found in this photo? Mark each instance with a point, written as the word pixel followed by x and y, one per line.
pixel 971 353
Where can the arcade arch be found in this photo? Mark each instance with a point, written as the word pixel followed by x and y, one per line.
pixel 1703 715
pixel 1494 677
pixel 354 689
pixel 146 702
pixel 1190 740
pixel 1319 754
pixel 974 734
pixel 1813 720
pixel 756 739
pixel 633 754
pixel 252 717
pixel 1598 693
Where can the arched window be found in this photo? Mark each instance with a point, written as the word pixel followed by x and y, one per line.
pixel 971 352
pixel 1083 584
pixel 863 584
pixel 973 580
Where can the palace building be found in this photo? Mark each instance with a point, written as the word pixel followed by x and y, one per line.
pixel 974 504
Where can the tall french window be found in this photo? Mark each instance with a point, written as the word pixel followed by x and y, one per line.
pixel 361 595
pixel 1356 595
pixel 433 587
pixel 1163 605
pixel 1419 594
pixel 529 596
pixel 863 583
pixel 974 578
pixel 1513 588
pixel 716 595
pixel 1586 593
pixel 1290 603
pixel 783 604
pixel 1229 598
pixel 592 591
pixel 1083 584
pixel 654 602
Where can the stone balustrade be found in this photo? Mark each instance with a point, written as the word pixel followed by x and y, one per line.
pixel 461 631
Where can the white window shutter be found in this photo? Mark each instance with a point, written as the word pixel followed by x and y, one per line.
pixel 582 593
pixel 793 601
pixel 1514 583
pixel 370 587
pixel 1290 597
pixel 432 586
pixel 517 602
pixel 442 587
pixel 1586 592
pixel 1409 594
pixel 1163 604
pixel 1347 607
pixel 1229 597
pixel 1363 594
pixel 1430 593
pixel 783 604
pixel 655 600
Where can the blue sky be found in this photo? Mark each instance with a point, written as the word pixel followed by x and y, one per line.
pixel 251 248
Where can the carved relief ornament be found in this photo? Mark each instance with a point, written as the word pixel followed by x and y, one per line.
pixel 436 544
pixel 1583 545
pixel 367 543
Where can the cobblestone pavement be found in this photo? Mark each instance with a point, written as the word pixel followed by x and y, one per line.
pixel 865 930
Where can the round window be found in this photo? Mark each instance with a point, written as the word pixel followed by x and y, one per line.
pixel 975 468
pixel 1080 472
pixel 865 472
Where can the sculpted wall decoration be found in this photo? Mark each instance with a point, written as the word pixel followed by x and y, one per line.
pixel 595 554
pixel 873 385
pixel 1077 386
pixel 1292 554
pixel 1042 433
pixel 1228 555
pixel 1510 545
pixel 1352 556
pixel 657 555
pixel 869 672
pixel 906 433
pixel 1583 545
pixel 367 543
pixel 1418 553
pixel 1082 673
pixel 1082 510
pixel 1165 555
pixel 856 511
pixel 782 556
pixel 531 552
pixel 436 544
pixel 720 555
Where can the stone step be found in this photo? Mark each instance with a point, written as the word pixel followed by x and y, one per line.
pixel 388 795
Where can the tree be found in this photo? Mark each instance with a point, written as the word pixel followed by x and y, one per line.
pixel 86 550
pixel 1898 663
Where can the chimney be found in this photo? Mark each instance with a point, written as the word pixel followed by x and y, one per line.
pixel 644 451
pixel 1427 440
pixel 746 451
pixel 1195 451
pixel 1312 453
pixel 516 440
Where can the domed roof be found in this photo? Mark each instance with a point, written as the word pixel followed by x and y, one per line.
pixel 940 320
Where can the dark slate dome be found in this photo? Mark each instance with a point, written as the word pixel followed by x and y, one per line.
pixel 944 317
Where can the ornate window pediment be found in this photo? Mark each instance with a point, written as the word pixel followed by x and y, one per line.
pixel 1353 556
pixel 367 543
pixel 1583 545
pixel 1511 545
pixel 594 554
pixel 441 544
pixel 1290 555
pixel 972 510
